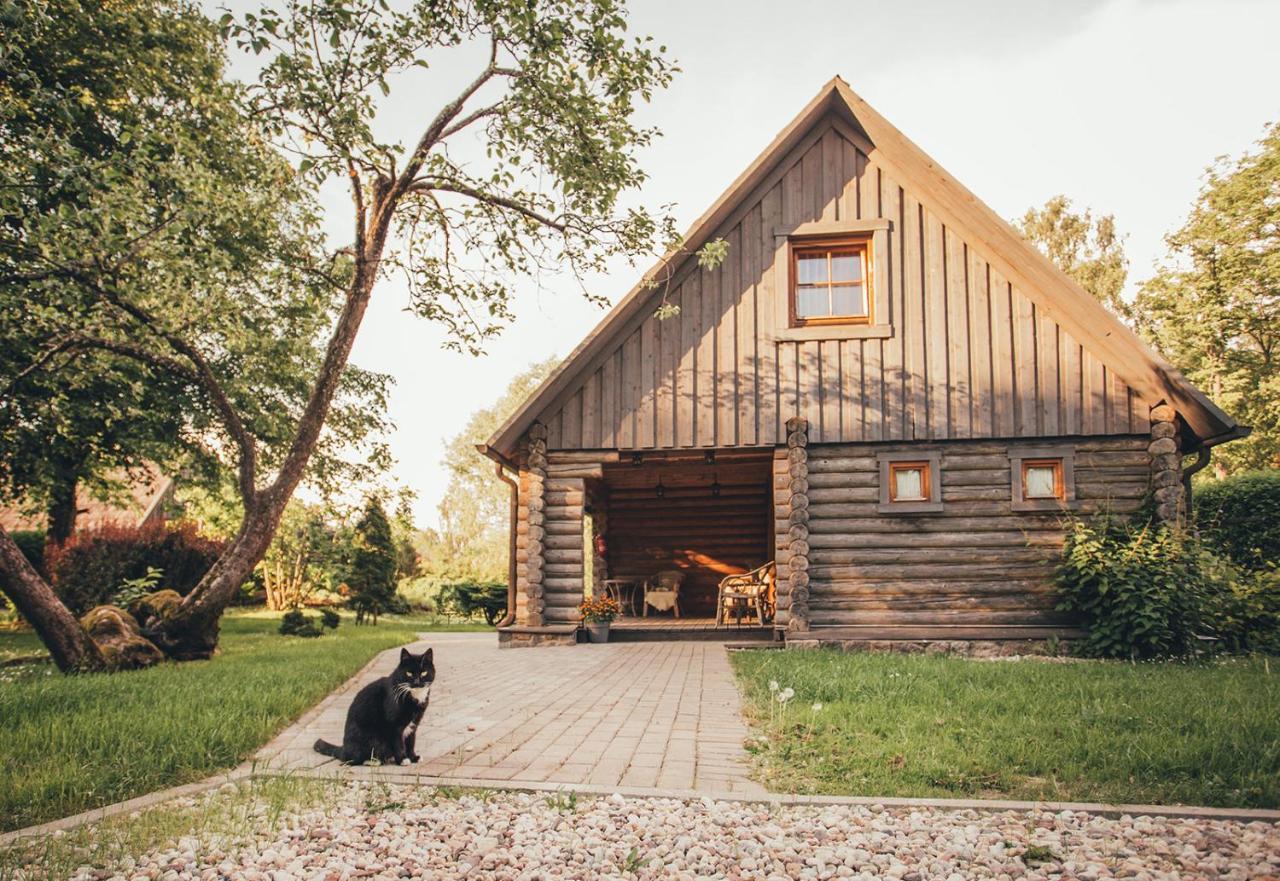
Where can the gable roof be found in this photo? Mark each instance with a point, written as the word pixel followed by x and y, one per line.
pixel 1060 297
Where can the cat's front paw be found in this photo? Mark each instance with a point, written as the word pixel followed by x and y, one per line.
pixel 413 757
pixel 404 761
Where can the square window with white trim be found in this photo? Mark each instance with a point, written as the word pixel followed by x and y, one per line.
pixel 1042 478
pixel 909 482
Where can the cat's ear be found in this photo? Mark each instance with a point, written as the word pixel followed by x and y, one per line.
pixel 405 657
pixel 427 656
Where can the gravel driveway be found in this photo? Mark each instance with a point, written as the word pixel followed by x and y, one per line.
pixel 378 831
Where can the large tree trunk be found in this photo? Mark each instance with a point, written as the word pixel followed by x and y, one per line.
pixel 192 632
pixel 72 649
pixel 62 511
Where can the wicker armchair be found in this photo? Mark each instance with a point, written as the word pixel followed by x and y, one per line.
pixel 663 592
pixel 751 592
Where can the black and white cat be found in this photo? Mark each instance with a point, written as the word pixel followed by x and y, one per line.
pixel 383 720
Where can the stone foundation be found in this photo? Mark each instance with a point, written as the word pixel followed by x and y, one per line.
pixel 528 637
pixel 968 648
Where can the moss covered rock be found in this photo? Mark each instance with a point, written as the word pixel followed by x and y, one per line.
pixel 119 638
pixel 155 607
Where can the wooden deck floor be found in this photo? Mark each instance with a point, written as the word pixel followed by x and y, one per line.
pixel 630 627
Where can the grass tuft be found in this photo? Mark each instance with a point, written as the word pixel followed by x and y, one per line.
pixel 232 815
pixel 71 743
pixel 928 726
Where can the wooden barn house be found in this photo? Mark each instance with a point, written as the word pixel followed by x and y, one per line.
pixel 883 388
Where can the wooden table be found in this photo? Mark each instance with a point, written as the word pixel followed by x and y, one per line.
pixel 624 591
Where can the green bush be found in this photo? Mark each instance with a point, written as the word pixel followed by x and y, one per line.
pixel 467 598
pixel 330 619
pixel 1146 591
pixel 93 564
pixel 1247 614
pixel 294 623
pixel 1241 515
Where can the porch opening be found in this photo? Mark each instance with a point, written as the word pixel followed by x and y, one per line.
pixel 703 514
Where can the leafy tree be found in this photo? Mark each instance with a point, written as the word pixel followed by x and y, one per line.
pixel 472 538
pixel 1088 250
pixel 372 573
pixel 1213 307
pixel 520 171
pixel 302 558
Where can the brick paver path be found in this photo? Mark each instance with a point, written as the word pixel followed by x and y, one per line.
pixel 662 715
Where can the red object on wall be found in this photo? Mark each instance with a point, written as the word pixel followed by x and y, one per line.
pixel 601 547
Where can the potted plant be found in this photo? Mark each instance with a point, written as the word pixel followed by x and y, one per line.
pixel 597 613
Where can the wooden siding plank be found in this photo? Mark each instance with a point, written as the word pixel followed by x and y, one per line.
pixel 980 346
pixel 788 382
pixel 704 411
pixel 1094 395
pixel 811 196
pixel 810 382
pixel 873 390
pixel 745 323
pixel 630 391
pixel 571 428
pixel 690 332
pixel 935 326
pixel 849 167
pixel 609 395
pixel 591 396
pixel 868 189
pixel 1003 411
pixel 960 403
pixel 1047 370
pixel 831 176
pixel 646 415
pixel 851 390
pixel 829 357
pixel 1024 358
pixel 913 321
pixel 1118 398
pixel 894 371
pixel 767 370
pixel 553 424
pixel 1070 383
pixel 726 403
pixel 669 332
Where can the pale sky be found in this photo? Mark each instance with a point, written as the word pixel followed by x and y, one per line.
pixel 1120 105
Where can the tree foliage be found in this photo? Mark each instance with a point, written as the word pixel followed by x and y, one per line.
pixel 520 170
pixel 1087 249
pixel 471 541
pixel 1213 308
pixel 371 575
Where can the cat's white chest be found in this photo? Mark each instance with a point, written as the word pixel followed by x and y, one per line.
pixel 420 694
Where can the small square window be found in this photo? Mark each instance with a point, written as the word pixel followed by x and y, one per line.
pixel 1042 479
pixel 908 481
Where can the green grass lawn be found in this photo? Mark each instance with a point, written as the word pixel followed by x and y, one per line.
pixel 69 743
pixel 911 725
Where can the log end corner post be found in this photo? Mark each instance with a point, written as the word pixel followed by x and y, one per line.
pixel 798 529
pixel 536 463
pixel 1165 452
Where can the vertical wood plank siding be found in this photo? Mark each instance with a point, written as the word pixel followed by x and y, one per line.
pixel 970 356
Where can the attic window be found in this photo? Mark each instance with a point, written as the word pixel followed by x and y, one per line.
pixel 829 281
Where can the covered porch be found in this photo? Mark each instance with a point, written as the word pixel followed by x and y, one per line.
pixel 682 520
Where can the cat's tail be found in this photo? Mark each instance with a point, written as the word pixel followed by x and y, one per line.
pixel 325 748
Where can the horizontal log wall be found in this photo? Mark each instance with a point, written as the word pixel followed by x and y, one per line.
pixel 971 356
pixel 562 579
pixel 976 562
